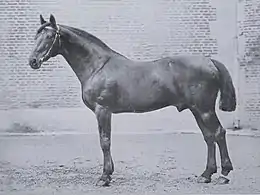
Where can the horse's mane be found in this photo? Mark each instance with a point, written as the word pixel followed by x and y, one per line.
pixel 84 35
pixel 88 36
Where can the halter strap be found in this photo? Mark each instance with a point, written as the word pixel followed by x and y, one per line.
pixel 57 36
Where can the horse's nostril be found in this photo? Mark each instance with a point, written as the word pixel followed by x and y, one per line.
pixel 33 62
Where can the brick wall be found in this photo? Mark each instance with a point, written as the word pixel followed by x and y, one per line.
pixel 138 29
pixel 141 30
pixel 21 87
pixel 250 61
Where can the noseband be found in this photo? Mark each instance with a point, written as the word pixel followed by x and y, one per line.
pixel 57 37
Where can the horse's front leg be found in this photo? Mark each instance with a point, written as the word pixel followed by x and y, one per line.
pixel 104 125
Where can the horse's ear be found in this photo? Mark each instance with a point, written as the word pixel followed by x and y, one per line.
pixel 53 21
pixel 42 20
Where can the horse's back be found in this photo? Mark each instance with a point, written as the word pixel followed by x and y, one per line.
pixel 189 63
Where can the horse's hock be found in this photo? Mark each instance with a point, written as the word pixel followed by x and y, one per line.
pixel 139 30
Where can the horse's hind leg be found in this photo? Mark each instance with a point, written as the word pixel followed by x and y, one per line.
pixel 220 137
pixel 214 132
pixel 226 164
pixel 203 121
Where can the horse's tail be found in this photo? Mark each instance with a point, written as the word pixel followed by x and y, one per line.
pixel 227 90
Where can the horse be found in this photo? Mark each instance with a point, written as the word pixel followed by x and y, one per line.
pixel 112 83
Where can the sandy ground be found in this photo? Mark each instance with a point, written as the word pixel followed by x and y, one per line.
pixel 151 163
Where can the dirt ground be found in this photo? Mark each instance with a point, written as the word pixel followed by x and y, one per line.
pixel 158 163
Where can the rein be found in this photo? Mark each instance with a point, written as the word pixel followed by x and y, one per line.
pixel 57 36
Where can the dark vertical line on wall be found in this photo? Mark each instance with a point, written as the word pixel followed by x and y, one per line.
pixel 236 122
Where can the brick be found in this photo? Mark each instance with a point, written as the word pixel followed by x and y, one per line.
pixel 250 27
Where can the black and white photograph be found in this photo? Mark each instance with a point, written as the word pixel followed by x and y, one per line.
pixel 128 97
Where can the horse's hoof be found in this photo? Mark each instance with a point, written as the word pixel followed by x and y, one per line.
pixel 104 181
pixel 202 179
pixel 222 180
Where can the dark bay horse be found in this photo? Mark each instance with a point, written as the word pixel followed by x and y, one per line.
pixel 112 83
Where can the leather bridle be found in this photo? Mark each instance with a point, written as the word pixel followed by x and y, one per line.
pixel 56 38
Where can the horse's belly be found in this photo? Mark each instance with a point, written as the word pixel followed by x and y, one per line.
pixel 140 107
pixel 143 100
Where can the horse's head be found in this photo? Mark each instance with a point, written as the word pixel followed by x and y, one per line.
pixel 47 42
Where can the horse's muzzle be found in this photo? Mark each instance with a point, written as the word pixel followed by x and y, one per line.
pixel 34 64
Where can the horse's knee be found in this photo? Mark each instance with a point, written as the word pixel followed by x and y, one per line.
pixel 105 143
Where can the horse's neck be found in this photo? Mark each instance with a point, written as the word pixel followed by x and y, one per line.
pixel 84 57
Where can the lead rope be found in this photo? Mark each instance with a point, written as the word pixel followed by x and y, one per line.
pixel 54 41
